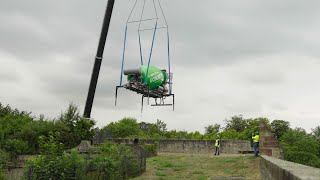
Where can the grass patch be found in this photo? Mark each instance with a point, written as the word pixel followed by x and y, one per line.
pixel 200 166
pixel 202 177
pixel 166 165
pixel 197 172
pixel 178 168
pixel 160 173
pixel 160 168
pixel 229 160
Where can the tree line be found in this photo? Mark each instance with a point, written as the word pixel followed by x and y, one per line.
pixel 298 145
pixel 20 131
pixel 53 140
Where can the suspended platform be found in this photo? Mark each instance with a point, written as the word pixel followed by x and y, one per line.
pixel 138 85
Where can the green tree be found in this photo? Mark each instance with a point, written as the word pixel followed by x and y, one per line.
pixel 237 123
pixel 316 133
pixel 161 126
pixel 12 122
pixel 213 128
pixel 229 134
pixel 84 128
pixel 79 128
pixel 71 116
pixel 150 130
pixel 126 127
pixel 300 147
pixel 197 135
pixel 211 136
pixel 279 127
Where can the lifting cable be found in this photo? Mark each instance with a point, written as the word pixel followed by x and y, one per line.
pixel 125 42
pixel 141 58
pixel 152 43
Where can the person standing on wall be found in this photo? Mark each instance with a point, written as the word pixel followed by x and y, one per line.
pixel 217 145
pixel 255 139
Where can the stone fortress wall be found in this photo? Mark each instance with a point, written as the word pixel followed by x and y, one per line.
pixel 190 146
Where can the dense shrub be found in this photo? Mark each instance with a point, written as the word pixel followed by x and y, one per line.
pixel 151 149
pixel 54 163
pixel 4 157
pixel 300 147
pixel 65 166
pixel 116 161
pixel 16 146
pixel 303 157
pixel 1 175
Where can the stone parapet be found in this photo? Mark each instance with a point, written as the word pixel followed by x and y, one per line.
pixel 277 169
pixel 192 146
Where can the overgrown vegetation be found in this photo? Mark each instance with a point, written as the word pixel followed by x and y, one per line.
pixel 21 133
pixel 111 161
pixel 53 162
pixel 4 157
pixel 151 149
pixel 115 162
pixel 301 147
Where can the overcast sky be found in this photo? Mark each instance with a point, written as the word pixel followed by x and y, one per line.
pixel 258 59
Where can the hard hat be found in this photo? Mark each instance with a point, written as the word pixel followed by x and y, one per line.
pixel 257 132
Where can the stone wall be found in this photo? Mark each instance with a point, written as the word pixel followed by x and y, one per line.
pixel 277 169
pixel 269 145
pixel 192 146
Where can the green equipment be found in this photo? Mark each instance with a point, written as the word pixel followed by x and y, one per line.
pixel 156 78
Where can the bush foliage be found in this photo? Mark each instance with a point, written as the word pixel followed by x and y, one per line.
pixel 151 149
pixel 115 161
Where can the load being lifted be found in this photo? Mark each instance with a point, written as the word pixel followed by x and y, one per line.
pixel 147 80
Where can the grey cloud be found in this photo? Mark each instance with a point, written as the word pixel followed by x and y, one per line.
pixel 7 77
pixel 205 35
pixel 267 79
pixel 242 30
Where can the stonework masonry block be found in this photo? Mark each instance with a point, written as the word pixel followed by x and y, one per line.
pixel 269 145
pixel 267 152
pixel 268 138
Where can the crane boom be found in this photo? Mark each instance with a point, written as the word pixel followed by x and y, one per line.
pixel 98 59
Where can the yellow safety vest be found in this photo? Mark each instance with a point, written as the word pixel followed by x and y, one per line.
pixel 217 144
pixel 255 138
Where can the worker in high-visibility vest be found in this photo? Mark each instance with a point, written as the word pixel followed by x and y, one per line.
pixel 217 145
pixel 255 138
